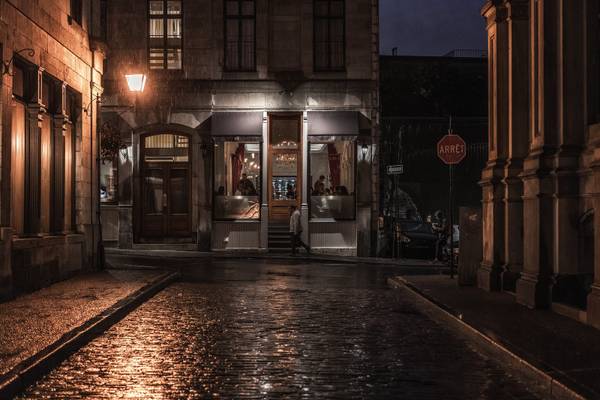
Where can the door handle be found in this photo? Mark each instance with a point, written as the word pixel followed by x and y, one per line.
pixel 164 200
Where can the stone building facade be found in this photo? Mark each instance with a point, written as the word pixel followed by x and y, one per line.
pixel 540 186
pixel 51 74
pixel 247 105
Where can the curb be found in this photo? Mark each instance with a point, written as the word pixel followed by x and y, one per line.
pixel 550 383
pixel 186 255
pixel 30 370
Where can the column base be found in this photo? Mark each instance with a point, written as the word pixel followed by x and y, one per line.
pixel 6 278
pixel 510 276
pixel 489 277
pixel 593 307
pixel 534 291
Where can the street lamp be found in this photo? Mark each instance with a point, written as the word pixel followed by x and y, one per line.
pixel 365 151
pixel 136 82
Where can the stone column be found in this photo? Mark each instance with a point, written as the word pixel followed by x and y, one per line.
pixel 264 208
pixel 535 283
pixel 304 154
pixel 593 300
pixel 489 275
pixel 518 131
pixel 571 128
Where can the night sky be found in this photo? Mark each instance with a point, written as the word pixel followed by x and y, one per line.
pixel 431 27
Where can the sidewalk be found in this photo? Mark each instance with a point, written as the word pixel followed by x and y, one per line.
pixel 566 352
pixel 34 326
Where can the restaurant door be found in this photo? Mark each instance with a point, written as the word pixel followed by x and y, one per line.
pixel 285 165
pixel 165 191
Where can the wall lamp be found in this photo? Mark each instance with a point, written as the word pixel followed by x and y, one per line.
pixel 365 150
pixel 6 65
pixel 87 109
pixel 136 82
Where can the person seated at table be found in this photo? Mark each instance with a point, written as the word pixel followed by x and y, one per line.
pixel 319 188
pixel 246 187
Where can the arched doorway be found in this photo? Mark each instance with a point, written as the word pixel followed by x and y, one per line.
pixel 165 210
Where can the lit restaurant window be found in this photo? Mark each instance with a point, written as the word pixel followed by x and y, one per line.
pixel 332 176
pixel 240 35
pixel 165 34
pixel 237 181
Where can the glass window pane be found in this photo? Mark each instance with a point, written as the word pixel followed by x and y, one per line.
pixel 156 7
pixel 179 194
pixel 285 133
pixel 233 8
pixel 166 148
pixel 108 181
pixel 174 7
pixel 332 179
pixel 248 8
pixel 321 8
pixel 337 8
pixel 153 198
pixel 156 28
pixel 237 180
pixel 284 187
pixel 174 28
pixel 156 58
pixel 174 60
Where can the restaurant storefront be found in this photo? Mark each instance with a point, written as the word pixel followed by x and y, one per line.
pixel 307 159
pixel 228 184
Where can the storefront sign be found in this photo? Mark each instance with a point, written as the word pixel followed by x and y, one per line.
pixel 395 169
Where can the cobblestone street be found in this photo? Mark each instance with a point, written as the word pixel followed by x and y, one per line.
pixel 250 329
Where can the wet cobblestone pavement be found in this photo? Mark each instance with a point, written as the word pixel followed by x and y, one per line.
pixel 256 330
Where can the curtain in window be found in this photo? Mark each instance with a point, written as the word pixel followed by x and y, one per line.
pixel 334 165
pixel 237 162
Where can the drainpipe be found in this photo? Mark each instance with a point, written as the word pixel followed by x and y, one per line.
pixel 99 250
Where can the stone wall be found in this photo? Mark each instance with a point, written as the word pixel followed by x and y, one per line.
pixel 64 50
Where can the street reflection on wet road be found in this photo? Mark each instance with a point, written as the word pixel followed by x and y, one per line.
pixel 250 329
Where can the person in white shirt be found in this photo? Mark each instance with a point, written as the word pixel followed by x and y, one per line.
pixel 296 230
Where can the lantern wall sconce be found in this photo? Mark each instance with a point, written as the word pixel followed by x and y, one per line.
pixel 136 82
pixel 7 65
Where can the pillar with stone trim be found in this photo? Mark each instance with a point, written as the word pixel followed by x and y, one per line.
pixel 490 273
pixel 534 288
pixel 517 146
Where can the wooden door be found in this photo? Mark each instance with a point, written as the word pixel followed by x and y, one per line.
pixel 285 165
pixel 166 201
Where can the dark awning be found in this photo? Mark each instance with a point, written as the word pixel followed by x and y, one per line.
pixel 338 123
pixel 237 124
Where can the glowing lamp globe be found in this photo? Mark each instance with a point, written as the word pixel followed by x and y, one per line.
pixel 136 82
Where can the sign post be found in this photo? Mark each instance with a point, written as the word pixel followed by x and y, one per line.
pixel 452 149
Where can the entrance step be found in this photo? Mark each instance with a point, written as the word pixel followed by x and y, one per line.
pixel 166 246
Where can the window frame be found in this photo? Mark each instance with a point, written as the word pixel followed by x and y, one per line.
pixel 165 38
pixel 260 180
pixel 240 17
pixel 76 11
pixel 329 20
pixel 355 176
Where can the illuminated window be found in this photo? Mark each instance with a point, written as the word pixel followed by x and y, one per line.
pixel 165 34
pixel 332 179
pixel 237 181
pixel 240 35
pixel 329 35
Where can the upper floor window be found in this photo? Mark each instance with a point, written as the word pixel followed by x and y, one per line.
pixel 165 34
pixel 240 35
pixel 329 35
pixel 77 11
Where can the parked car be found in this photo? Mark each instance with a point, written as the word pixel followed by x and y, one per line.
pixel 417 238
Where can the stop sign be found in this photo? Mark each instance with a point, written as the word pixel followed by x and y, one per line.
pixel 452 149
